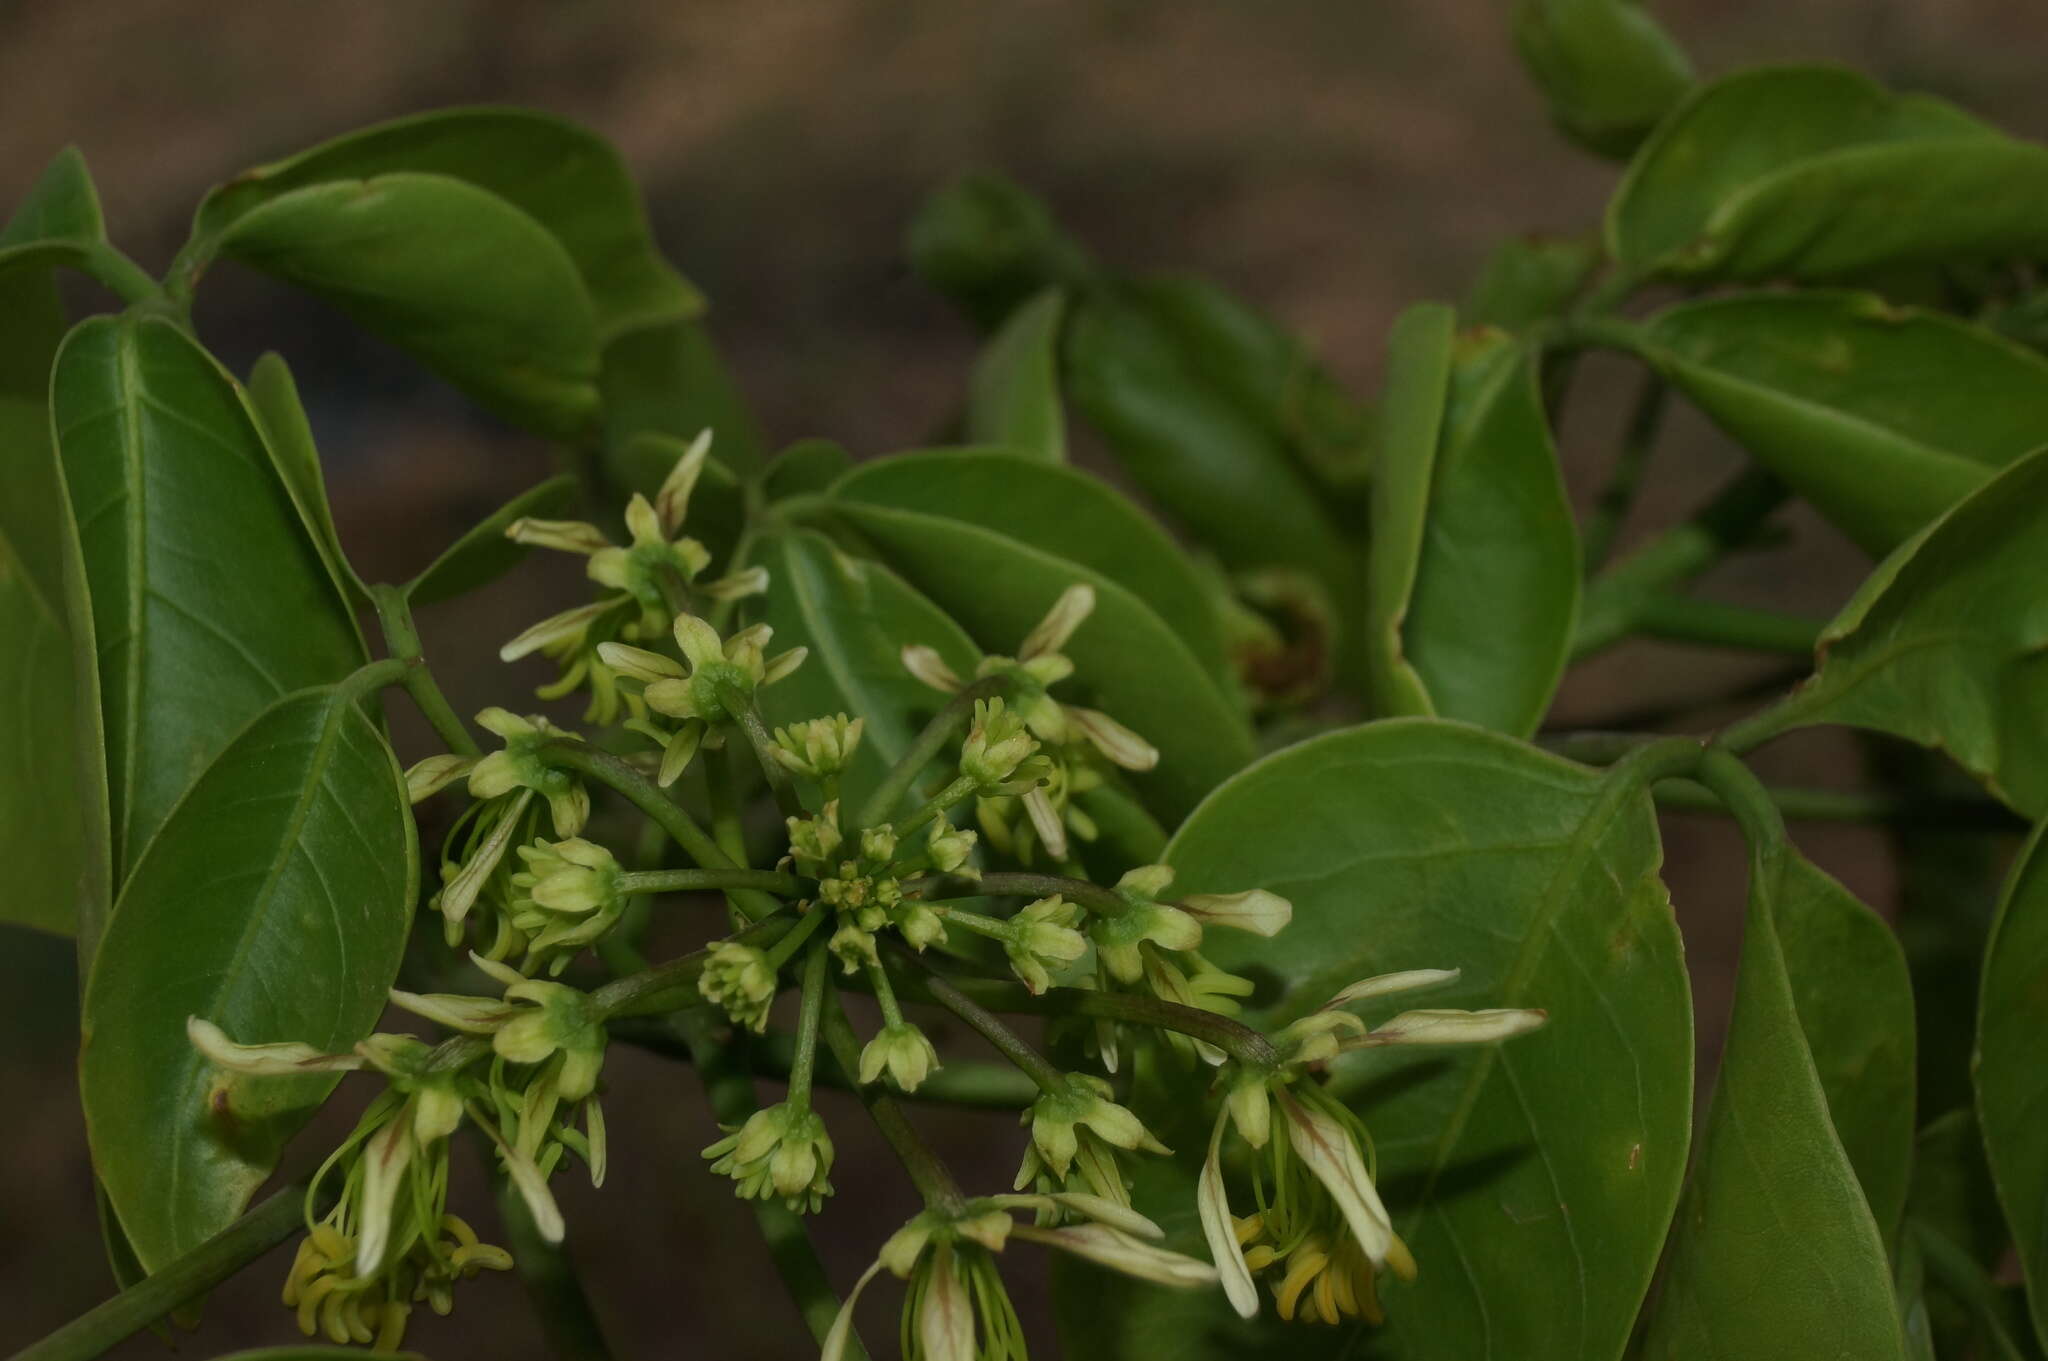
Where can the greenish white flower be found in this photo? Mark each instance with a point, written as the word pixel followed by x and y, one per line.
pixel 781 1151
pixel 820 747
pixel 1083 1103
pixel 996 746
pixel 739 979
pixel 570 894
pixel 903 1052
pixel 1040 938
pixel 517 765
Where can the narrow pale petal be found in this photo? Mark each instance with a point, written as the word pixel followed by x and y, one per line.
pixel 676 756
pixel 928 667
pixel 1075 604
pixel 1101 1244
pixel 526 1179
pixel 263 1060
pixel 1379 985
pixel 436 773
pixel 642 523
pixel 672 501
pixel 594 1133
pixel 1122 746
pixel 738 585
pixel 841 1333
pixel 1327 1150
pixel 564 536
pixel 638 662
pixel 1256 911
pixel 503 974
pixel 470 1015
pixel 1046 819
pixel 460 895
pixel 698 640
pixel 945 1313
pixel 384 1164
pixel 1454 1027
pixel 784 663
pixel 1214 1209
pixel 554 628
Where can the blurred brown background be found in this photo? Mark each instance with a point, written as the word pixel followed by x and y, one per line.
pixel 1328 161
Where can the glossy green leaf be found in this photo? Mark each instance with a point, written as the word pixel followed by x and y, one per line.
pixel 458 277
pixel 806 467
pixel 57 223
pixel 1881 417
pixel 1013 398
pixel 1788 137
pixel 1223 471
pixel 856 617
pixel 1059 511
pixel 1855 1007
pixel 1947 643
pixel 273 400
pixel 1128 661
pixel 564 177
pixel 208 602
pixel 1534 1181
pixel 989 246
pixel 275 903
pixel 1496 592
pixel 2012 1081
pixel 1527 279
pixel 1608 69
pixel 42 835
pixel 1775 1252
pixel 1411 422
pixel 484 554
pixel 670 380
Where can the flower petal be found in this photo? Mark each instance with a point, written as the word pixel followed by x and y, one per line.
pixel 1105 1246
pixel 470 1015
pixel 263 1060
pixel 1328 1151
pixel 1122 746
pixel 552 629
pixel 1074 606
pixel 1255 910
pixel 1454 1027
pixel 672 501
pixel 434 774
pixel 926 665
pixel 384 1162
pixel 1379 985
pixel 945 1312
pixel 1214 1209
pixel 637 662
pixel 841 1333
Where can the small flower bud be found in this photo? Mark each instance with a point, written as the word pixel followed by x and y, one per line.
pixel 813 841
pixel 781 1151
pixel 903 1052
pixel 431 776
pixel 948 846
pixel 820 747
pixel 996 745
pixel 1042 936
pixel 738 979
pixel 1117 938
pixel 853 947
pixel 878 845
pixel 1083 1102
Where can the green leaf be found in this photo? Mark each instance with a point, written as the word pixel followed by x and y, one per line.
pixel 1496 594
pixel 1411 421
pixel 1222 469
pixel 1527 279
pixel 989 246
pixel 484 554
pixel 1946 644
pixel 1534 1181
pixel 1013 398
pixel 1775 1253
pixel 670 380
pixel 458 277
pixel 810 466
pixel 2012 1082
pixel 564 177
pixel 1882 417
pixel 1609 70
pixel 856 617
pixel 1954 1226
pixel 1855 1005
pixel 1829 150
pixel 1059 511
pixel 275 903
pixel 273 401
pixel 207 600
pixel 1128 661
pixel 57 222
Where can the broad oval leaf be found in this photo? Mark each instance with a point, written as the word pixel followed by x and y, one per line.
pixel 1059 511
pixel 1411 416
pixel 1222 469
pixel 1741 131
pixel 275 903
pixel 1534 1181
pixel 2012 1082
pixel 1947 643
pixel 483 553
pixel 1496 595
pixel 1013 398
pixel 273 400
pixel 1775 1253
pixel 57 222
pixel 207 600
pixel 1527 279
pixel 458 277
pixel 1608 69
pixel 1882 417
pixel 1128 661
pixel 564 177
pixel 856 617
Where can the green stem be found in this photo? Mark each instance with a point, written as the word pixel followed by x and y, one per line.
pixel 711 881
pixel 121 275
pixel 1618 497
pixel 809 1018
pixel 1097 899
pixel 1745 796
pixel 567 1319
pixel 721 791
pixel 401 636
pixel 1759 728
pixel 654 989
pixel 1615 598
pixel 1684 619
pixel 885 994
pixel 671 817
pixel 958 789
pixel 927 1173
pixel 927 744
pixel 179 1282
pixel 1829 805
pixel 990 1027
pixel 748 716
